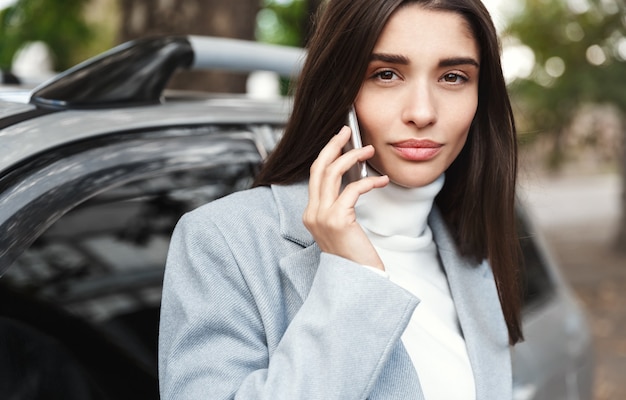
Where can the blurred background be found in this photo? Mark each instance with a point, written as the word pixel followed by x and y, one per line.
pixel 564 61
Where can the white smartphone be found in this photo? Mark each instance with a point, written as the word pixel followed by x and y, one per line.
pixel 359 170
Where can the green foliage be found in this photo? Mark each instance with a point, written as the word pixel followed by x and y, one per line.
pixel 282 22
pixel 580 57
pixel 58 23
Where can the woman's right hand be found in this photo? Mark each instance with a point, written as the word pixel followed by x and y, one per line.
pixel 330 215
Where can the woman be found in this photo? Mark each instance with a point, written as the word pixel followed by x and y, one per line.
pixel 400 285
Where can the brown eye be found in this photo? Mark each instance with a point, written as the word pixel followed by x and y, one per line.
pixel 385 75
pixel 453 78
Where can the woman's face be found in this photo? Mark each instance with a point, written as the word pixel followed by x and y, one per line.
pixel 419 95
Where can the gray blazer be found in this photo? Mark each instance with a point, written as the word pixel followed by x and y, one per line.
pixel 252 309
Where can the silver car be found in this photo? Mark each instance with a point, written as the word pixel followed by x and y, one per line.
pixel 96 168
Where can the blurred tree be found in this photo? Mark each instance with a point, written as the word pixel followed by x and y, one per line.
pixel 580 58
pixel 282 22
pixel 287 22
pixel 224 18
pixel 59 24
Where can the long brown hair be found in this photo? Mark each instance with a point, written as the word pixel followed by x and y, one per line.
pixel 478 197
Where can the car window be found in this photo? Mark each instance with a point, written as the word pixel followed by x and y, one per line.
pixel 104 259
pixel 124 228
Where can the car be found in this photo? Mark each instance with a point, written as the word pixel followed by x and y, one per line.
pixel 97 166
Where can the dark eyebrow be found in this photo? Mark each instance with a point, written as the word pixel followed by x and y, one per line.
pixel 402 60
pixel 389 58
pixel 454 62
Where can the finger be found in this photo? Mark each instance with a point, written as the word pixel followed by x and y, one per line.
pixel 351 193
pixel 327 155
pixel 330 186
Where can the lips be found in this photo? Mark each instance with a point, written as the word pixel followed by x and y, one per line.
pixel 417 150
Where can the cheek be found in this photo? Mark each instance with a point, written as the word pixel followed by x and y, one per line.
pixel 370 118
pixel 464 108
pixel 464 123
pixel 461 132
pixel 460 141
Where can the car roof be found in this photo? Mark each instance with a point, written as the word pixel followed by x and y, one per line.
pixel 95 97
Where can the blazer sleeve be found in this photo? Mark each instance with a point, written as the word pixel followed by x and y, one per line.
pixel 212 340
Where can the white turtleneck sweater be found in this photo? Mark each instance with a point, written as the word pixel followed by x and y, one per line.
pixel 396 221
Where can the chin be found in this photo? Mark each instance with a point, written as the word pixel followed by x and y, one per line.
pixel 410 175
pixel 415 177
pixel 411 182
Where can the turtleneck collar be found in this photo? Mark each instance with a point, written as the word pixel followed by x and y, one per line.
pixel 397 211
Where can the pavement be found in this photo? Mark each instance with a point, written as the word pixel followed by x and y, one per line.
pixel 579 216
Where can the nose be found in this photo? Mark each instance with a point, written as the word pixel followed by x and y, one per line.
pixel 420 107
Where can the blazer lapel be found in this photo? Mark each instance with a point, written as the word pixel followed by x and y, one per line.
pixel 298 267
pixel 480 315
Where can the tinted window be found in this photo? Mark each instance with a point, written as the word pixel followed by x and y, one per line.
pixel 104 259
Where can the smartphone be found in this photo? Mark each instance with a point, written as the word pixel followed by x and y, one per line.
pixel 359 170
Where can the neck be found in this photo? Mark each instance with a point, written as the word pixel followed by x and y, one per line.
pixel 397 211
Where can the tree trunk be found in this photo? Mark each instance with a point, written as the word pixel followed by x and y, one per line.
pixel 223 18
